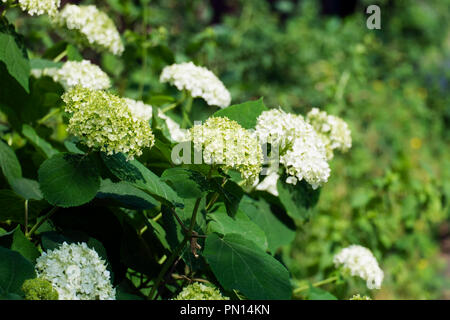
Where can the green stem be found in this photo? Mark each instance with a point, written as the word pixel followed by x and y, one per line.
pixel 60 56
pixel 26 216
pixel 146 45
pixel 187 110
pixel 39 223
pixel 175 104
pixel 316 284
pixel 215 196
pixel 175 254
pixel 48 116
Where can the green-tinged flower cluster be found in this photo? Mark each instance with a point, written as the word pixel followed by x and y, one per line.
pixel 39 289
pixel 106 122
pixel 224 142
pixel 76 272
pixel 199 291
pixel 91 27
pixel 332 130
pixel 359 297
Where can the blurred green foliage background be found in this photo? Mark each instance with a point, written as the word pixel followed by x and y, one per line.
pixel 391 191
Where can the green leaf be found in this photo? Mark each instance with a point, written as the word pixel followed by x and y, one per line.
pixel 299 199
pixel 319 294
pixel 38 63
pixel 240 264
pixel 279 230
pixel 231 194
pixel 14 270
pixel 69 180
pixel 175 233
pixel 139 176
pixel 40 144
pixel 27 188
pixel 24 246
pixel 13 56
pixel 221 223
pixel 245 113
pixel 72 147
pixel 187 183
pixel 73 53
pixel 8 162
pixel 160 100
pixel 13 207
pixel 126 195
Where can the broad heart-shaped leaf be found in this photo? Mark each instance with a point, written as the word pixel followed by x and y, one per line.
pixel 187 183
pixel 139 176
pixel 299 199
pixel 24 246
pixel 69 180
pixel 126 195
pixel 14 270
pixel 13 207
pixel 13 56
pixel 220 222
pixel 245 113
pixel 319 294
pixel 40 144
pixel 278 231
pixel 8 162
pixel 240 264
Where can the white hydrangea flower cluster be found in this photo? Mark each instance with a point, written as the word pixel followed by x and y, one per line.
pixel 301 150
pixel 145 111
pixel 74 73
pixel 224 142
pixel 39 7
pixel 76 272
pixel 199 291
pixel 333 131
pixel 91 27
pixel 199 81
pixel 107 122
pixel 360 261
pixel 139 108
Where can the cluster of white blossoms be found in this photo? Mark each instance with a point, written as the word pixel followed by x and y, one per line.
pixel 301 150
pixel 225 143
pixel 145 111
pixel 199 291
pixel 74 73
pixel 199 81
pixel 360 261
pixel 39 7
pixel 333 131
pixel 76 272
pixel 107 122
pixel 139 109
pixel 91 27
